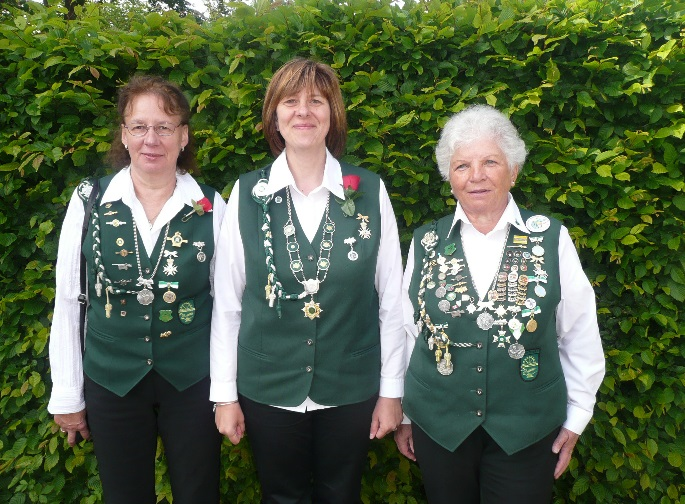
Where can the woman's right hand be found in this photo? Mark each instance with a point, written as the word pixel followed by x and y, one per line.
pixel 405 441
pixel 73 423
pixel 230 421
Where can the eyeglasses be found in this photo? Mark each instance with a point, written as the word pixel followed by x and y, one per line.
pixel 140 130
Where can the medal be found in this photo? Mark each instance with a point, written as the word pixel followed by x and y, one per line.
pixel 201 256
pixel 312 310
pixel 516 351
pixel 351 255
pixel 145 296
pixel 485 321
pixel 538 223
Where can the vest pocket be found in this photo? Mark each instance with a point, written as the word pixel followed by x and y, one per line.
pixel 253 353
pixel 362 352
pixel 412 377
pixel 109 338
pixel 546 386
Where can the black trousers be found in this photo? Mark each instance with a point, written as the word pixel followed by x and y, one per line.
pixel 317 456
pixel 479 471
pixel 125 431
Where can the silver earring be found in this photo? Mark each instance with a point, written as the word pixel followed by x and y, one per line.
pixel 182 149
pixel 126 146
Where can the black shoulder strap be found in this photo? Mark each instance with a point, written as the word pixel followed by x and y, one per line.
pixel 83 297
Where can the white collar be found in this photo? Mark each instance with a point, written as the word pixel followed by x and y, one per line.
pixel 511 215
pixel 121 188
pixel 281 176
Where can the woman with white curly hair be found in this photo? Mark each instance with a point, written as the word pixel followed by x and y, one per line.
pixel 507 356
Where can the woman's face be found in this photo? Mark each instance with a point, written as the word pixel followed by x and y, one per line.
pixel 153 153
pixel 304 119
pixel 480 178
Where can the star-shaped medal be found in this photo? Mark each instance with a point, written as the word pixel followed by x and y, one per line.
pixel 312 310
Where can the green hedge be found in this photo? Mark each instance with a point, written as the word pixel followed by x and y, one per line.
pixel 595 87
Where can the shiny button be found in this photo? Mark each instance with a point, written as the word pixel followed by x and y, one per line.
pixel 310 342
pixel 308 369
pixel 147 271
pixel 479 369
pixel 147 339
pixel 149 362
pixel 146 317
pixel 479 413
pixel 479 391
pixel 479 345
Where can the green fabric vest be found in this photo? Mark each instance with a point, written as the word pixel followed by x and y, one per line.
pixel 517 401
pixel 334 359
pixel 171 338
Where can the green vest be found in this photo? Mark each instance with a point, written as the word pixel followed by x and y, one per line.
pixel 169 335
pixel 518 401
pixel 334 359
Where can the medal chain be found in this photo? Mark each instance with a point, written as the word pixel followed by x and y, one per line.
pixel 147 283
pixel 293 247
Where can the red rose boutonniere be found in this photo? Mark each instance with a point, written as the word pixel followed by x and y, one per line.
pixel 199 207
pixel 351 190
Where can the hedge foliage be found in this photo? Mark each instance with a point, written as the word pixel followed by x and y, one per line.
pixel 595 87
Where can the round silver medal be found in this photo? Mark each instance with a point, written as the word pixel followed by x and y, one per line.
pixel 201 256
pixel 288 230
pixel 538 223
pixel 440 292
pixel 516 350
pixel 352 255
pixel 445 367
pixel 169 297
pixel 145 297
pixel 485 321
pixel 444 305
pixel 538 251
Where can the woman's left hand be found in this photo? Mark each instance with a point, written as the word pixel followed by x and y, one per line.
pixel 73 424
pixel 387 415
pixel 563 445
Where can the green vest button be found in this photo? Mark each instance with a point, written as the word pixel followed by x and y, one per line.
pixel 308 369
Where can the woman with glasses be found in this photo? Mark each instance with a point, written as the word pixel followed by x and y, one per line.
pixel 149 258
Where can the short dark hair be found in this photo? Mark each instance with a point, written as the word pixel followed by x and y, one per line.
pixel 174 102
pixel 296 75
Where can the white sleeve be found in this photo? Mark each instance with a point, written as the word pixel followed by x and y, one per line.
pixel 388 282
pixel 218 211
pixel 66 365
pixel 229 279
pixel 580 346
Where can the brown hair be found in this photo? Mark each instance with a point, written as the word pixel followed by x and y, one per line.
pixel 174 103
pixel 290 79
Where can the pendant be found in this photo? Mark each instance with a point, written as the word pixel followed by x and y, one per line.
pixel 516 351
pixel 145 296
pixel 311 286
pixel 312 310
pixel 540 291
pixel 531 325
pixel 169 297
pixel 485 321
pixel 201 256
pixel 445 366
pixel 351 255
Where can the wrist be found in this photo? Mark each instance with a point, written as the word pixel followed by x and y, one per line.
pixel 219 404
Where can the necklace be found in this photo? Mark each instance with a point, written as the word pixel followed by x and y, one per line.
pixel 101 273
pixel 311 309
pixel 146 296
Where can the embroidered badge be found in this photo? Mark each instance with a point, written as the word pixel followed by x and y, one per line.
pixel 166 315
pixel 186 311
pixel 530 363
pixel 450 249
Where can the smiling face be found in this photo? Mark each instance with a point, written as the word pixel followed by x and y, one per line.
pixel 304 120
pixel 480 178
pixel 153 153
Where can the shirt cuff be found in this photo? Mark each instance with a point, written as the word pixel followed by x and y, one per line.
pixel 577 419
pixel 65 400
pixel 223 391
pixel 391 387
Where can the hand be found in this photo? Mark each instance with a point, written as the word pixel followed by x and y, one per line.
pixel 387 415
pixel 563 445
pixel 405 441
pixel 73 423
pixel 230 421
